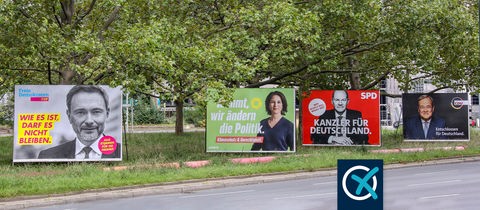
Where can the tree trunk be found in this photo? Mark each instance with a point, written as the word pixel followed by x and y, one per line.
pixel 299 115
pixel 354 77
pixel 179 116
pixel 67 77
pixel 355 81
pixel 68 10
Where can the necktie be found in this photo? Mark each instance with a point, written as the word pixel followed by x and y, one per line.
pixel 340 125
pixel 425 128
pixel 87 152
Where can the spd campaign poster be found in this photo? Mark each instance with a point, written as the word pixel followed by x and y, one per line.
pixel 341 118
pixel 66 123
pixel 256 120
pixel 435 117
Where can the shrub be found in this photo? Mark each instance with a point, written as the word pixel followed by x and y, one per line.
pixel 6 111
pixel 195 115
pixel 145 113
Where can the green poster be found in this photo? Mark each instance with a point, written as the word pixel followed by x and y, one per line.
pixel 257 120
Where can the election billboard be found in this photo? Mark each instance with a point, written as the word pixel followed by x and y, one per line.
pixel 63 123
pixel 435 117
pixel 256 120
pixel 341 118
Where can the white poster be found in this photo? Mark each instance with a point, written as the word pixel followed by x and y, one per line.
pixel 63 123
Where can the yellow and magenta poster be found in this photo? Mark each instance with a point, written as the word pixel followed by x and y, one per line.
pixel 256 120
pixel 60 123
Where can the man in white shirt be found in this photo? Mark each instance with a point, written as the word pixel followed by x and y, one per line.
pixel 340 127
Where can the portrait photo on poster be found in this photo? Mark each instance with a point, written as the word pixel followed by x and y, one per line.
pixel 341 118
pixel 435 117
pixel 277 131
pixel 58 123
pixel 256 120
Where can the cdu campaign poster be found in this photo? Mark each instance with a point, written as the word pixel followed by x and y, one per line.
pixel 435 117
pixel 256 120
pixel 64 123
pixel 341 118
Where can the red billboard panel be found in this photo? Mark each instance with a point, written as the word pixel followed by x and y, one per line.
pixel 341 118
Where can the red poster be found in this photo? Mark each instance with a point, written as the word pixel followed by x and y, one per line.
pixel 341 118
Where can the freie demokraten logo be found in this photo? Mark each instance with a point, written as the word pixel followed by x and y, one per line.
pixel 34 96
pixel 360 185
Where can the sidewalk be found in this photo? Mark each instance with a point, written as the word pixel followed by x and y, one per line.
pixel 188 186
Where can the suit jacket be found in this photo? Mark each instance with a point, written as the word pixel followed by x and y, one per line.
pixel 67 151
pixel 413 128
pixel 319 138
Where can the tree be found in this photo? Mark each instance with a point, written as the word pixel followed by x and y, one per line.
pixel 179 49
pixel 366 41
pixel 57 42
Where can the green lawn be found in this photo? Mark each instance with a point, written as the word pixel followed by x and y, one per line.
pixel 146 152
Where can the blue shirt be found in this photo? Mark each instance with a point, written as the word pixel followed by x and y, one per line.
pixel 277 138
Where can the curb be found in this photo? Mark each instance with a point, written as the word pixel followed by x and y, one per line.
pixel 194 185
pixel 458 148
pixel 266 159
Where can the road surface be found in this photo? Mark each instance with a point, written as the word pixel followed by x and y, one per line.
pixel 434 187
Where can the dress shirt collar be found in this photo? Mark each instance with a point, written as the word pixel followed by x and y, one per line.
pixel 426 121
pixel 344 114
pixel 79 147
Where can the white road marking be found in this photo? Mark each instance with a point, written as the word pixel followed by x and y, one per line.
pixel 322 183
pixel 438 196
pixel 309 195
pixel 215 194
pixel 433 183
pixel 436 172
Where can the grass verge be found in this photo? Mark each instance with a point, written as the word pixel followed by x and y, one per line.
pixel 147 151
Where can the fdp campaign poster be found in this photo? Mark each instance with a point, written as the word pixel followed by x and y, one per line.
pixel 341 118
pixel 256 120
pixel 60 123
pixel 435 117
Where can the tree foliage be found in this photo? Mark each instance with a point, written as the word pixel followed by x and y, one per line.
pixel 56 42
pixel 179 49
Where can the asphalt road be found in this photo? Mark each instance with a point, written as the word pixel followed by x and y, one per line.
pixel 433 187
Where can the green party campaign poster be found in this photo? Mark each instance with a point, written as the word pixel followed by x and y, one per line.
pixel 256 120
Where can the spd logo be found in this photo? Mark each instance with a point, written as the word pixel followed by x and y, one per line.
pixel 369 95
pixel 360 184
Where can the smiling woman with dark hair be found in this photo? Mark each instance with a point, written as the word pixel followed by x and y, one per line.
pixel 276 130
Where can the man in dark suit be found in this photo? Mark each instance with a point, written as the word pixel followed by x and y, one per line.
pixel 87 111
pixel 425 124
pixel 340 126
